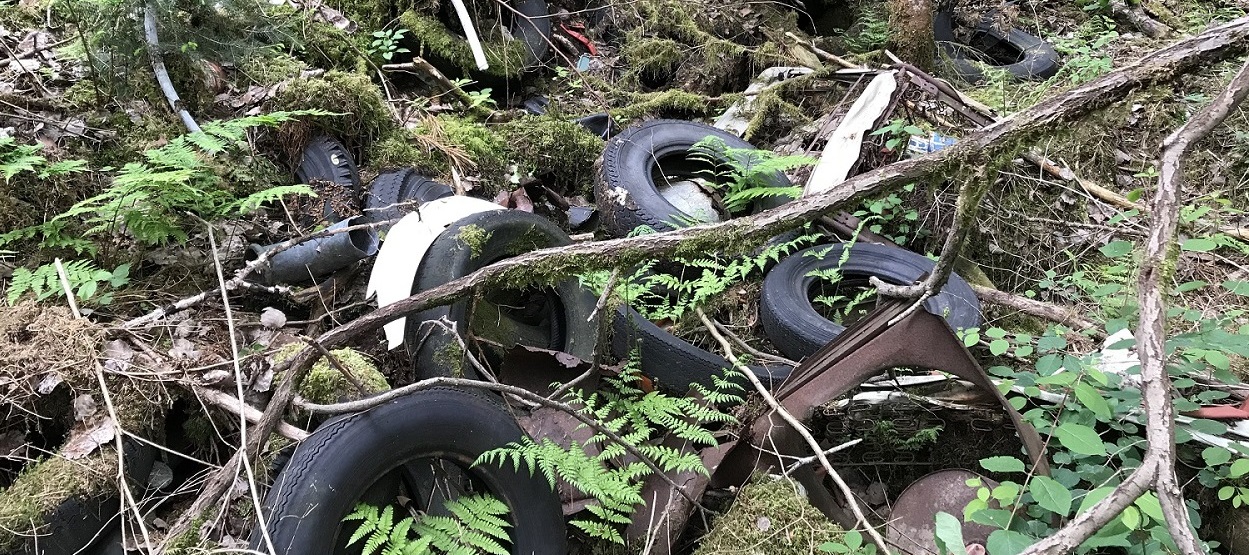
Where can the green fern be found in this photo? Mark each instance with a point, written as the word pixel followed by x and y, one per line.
pixel 150 199
pixel 638 417
pixel 476 526
pixel 743 178
pixel 85 279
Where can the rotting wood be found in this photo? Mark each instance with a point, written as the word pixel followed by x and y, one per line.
pixel 1137 16
pixel 1032 307
pixel 1048 115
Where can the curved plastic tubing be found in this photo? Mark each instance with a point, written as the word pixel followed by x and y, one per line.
pixel 405 247
pixel 318 257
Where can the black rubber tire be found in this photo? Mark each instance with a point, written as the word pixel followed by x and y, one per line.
pixel 673 364
pixel 1038 60
pixel 797 330
pixel 326 159
pixel 506 233
pixel 391 188
pixel 331 470
pixel 78 523
pixel 625 190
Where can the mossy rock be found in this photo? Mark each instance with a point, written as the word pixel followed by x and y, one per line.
pixel 769 517
pixel 365 116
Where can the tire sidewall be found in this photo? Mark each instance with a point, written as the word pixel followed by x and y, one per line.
pixel 327 473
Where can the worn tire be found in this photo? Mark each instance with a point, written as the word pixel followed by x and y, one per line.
pixel 624 186
pixel 331 471
pixel 673 364
pixel 1037 58
pixel 79 524
pixel 563 312
pixel 796 329
pixel 326 159
pixel 390 189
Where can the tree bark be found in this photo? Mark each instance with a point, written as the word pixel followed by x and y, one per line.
pixel 910 32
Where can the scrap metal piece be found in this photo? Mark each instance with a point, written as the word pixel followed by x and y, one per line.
pixel 912 522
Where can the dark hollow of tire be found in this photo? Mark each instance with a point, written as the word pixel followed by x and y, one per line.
pixel 1020 54
pixel 798 330
pixel 506 233
pixel 625 188
pixel 330 471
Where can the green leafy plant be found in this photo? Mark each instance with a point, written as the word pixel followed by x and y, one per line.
pixel 601 468
pixel 740 175
pixel 15 159
pixel 710 278
pixel 386 43
pixel 851 544
pixel 480 98
pixel 897 133
pixel 150 199
pixel 476 525
pixel 85 279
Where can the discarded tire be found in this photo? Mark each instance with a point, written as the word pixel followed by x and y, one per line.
pixel 327 160
pixel 797 329
pixel 80 523
pixel 647 168
pixel 1018 53
pixel 420 447
pixel 674 364
pixel 393 193
pixel 553 318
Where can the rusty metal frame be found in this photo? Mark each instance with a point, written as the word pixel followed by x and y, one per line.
pixel 865 349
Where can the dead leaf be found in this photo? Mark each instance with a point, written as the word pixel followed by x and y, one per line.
pixel 272 318
pixel 117 356
pixel 83 442
pixel 214 376
pixel 183 349
pixel 84 407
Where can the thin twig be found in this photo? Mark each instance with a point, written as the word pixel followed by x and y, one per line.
pixel 158 67
pixel 802 431
pixel 812 458
pixel 238 383
pixel 234 405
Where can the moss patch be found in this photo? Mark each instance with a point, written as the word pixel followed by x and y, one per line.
pixel 560 150
pixel 45 485
pixel 324 384
pixel 365 115
pixel 769 518
pixel 473 237
pixel 440 45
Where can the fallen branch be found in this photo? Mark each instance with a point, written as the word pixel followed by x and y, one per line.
pixel 232 404
pixel 1157 469
pixel 1137 16
pixel 802 430
pixel 1049 311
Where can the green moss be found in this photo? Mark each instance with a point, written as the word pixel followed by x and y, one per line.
pixel 450 358
pixel 652 60
pixel 473 237
pixel 672 102
pixel 325 384
pixel 773 116
pixel 435 42
pixel 331 48
pixel 267 68
pixel 46 484
pixel 365 115
pixel 401 149
pixel 769 516
pixel 554 147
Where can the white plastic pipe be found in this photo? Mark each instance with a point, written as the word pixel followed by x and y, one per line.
pixel 474 43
